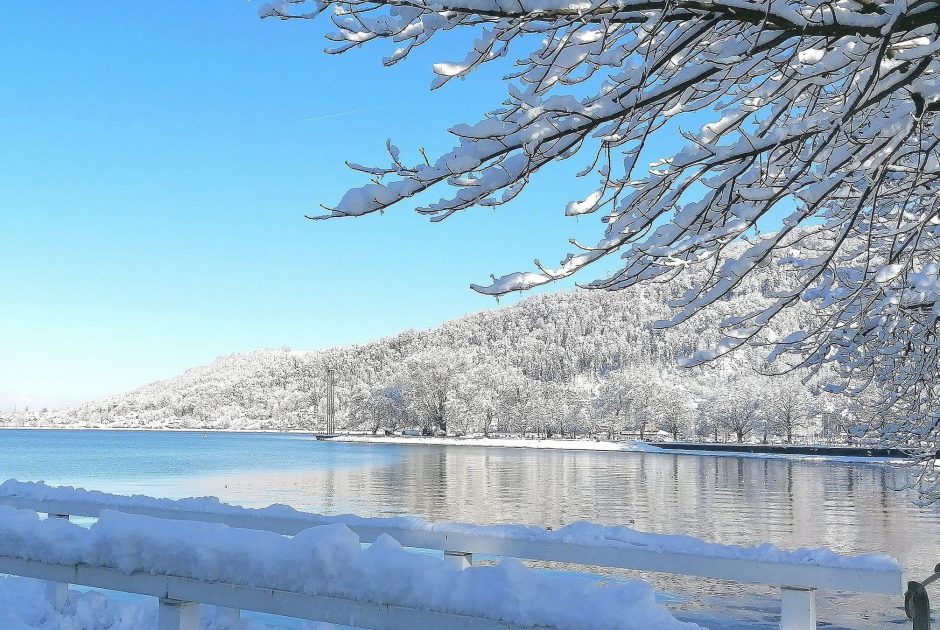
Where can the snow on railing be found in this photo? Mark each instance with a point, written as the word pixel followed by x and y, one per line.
pixel 799 573
pixel 322 574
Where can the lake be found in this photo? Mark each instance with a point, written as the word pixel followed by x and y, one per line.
pixel 849 507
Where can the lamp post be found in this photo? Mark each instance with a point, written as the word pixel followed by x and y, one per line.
pixel 330 401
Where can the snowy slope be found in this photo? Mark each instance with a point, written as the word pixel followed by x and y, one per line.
pixel 568 352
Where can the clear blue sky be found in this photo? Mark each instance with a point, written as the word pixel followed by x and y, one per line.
pixel 157 162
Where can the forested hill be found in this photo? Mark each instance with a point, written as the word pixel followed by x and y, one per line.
pixel 573 362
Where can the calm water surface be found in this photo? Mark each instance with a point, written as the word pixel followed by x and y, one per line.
pixel 848 507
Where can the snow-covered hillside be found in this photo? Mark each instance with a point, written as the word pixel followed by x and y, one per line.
pixel 582 362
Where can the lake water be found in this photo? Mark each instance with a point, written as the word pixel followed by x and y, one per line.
pixel 848 507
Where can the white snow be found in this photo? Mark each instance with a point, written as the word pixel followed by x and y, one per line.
pixel 329 560
pixel 804 124
pixel 582 533
pixel 592 380
pixel 588 204
pixel 821 458
pixel 583 445
pixel 23 606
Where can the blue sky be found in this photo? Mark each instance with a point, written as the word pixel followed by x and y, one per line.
pixel 158 160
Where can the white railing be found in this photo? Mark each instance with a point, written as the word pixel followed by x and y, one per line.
pixel 180 599
pixel 798 581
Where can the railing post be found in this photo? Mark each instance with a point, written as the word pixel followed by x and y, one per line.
pixel 57 593
pixel 459 559
pixel 917 602
pixel 917 605
pixel 230 615
pixel 176 615
pixel 797 608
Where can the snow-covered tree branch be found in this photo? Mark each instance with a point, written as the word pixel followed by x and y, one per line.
pixel 819 154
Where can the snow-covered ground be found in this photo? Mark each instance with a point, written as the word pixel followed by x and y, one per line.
pixel 588 445
pixel 514 442
pixel 652 448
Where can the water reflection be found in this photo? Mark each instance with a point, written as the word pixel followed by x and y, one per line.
pixel 847 507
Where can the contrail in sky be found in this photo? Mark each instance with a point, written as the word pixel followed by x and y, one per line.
pixel 348 113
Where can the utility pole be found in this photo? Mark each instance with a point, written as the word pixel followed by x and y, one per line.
pixel 330 401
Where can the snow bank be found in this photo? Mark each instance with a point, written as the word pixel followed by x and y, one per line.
pixel 582 533
pixel 631 446
pixel 823 458
pixel 586 533
pixel 577 445
pixel 40 491
pixel 329 560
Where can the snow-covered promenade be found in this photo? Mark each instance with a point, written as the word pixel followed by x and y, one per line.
pixel 635 446
pixel 508 442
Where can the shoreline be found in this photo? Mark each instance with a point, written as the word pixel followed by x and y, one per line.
pixel 312 434
pixel 504 442
pixel 698 449
pixel 628 446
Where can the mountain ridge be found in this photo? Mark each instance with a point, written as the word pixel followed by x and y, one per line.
pixel 580 361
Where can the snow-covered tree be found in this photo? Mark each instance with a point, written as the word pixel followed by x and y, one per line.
pixel 429 387
pixel 818 153
pixel 733 406
pixel 615 400
pixel 521 399
pixel 789 406
pixel 540 366
pixel 742 420
pixel 376 407
pixel 675 410
pixel 640 400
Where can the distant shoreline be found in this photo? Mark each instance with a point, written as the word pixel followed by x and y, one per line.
pixel 311 434
pixel 723 449
pixel 700 449
pixel 506 442
pixel 357 438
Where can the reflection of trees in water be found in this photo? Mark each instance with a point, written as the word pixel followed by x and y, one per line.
pixel 848 507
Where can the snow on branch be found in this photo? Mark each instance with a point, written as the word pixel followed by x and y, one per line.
pixel 821 157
